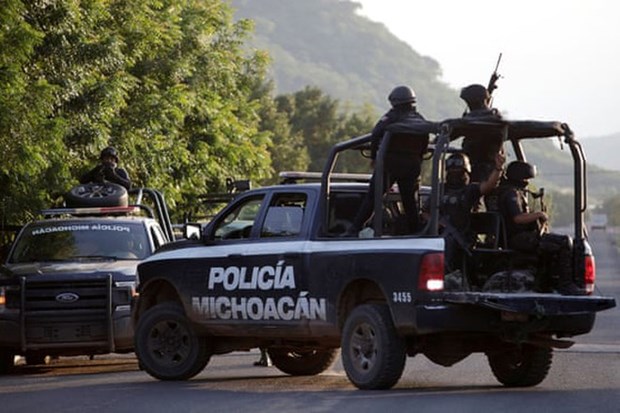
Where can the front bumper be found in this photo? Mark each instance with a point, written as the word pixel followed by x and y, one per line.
pixel 69 337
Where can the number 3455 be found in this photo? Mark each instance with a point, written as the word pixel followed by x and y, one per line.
pixel 401 296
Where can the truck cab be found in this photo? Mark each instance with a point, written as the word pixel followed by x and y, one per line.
pixel 67 284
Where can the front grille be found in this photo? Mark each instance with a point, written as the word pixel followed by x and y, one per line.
pixel 66 312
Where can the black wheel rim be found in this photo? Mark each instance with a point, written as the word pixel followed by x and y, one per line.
pixel 94 191
pixel 169 343
pixel 363 348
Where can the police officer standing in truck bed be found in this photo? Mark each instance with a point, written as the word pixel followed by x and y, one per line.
pixel 403 159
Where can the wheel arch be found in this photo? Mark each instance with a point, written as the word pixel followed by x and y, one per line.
pixel 357 292
pixel 155 292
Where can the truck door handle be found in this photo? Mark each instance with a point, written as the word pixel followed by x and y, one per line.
pixel 235 256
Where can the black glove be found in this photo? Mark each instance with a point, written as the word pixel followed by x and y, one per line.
pixel 108 172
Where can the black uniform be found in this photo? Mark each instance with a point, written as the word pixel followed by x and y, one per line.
pixel 482 149
pixel 402 164
pixel 106 172
pixel 512 202
pixel 554 249
pixel 456 205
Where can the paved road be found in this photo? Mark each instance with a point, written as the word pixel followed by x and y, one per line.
pixel 585 377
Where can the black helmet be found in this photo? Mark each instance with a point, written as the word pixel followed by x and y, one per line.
pixel 458 161
pixel 401 95
pixel 518 171
pixel 109 151
pixel 475 94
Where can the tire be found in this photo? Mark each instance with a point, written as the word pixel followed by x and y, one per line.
pixel 523 366
pixel 33 359
pixel 97 195
pixel 373 354
pixel 7 359
pixel 167 346
pixel 302 362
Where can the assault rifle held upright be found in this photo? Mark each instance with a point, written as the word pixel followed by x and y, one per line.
pixel 494 77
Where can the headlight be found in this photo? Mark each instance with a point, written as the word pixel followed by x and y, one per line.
pixel 127 284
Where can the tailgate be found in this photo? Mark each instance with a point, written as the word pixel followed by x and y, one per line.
pixel 533 303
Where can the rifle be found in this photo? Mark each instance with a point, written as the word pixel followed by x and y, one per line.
pixel 494 78
pixel 540 195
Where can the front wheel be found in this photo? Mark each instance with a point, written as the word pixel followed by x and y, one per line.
pixel 302 362
pixel 522 366
pixel 167 345
pixel 373 354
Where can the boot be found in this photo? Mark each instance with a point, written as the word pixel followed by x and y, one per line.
pixel 563 265
pixel 568 287
pixel 264 360
pixel 564 282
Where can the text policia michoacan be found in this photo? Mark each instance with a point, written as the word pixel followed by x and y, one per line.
pixel 265 278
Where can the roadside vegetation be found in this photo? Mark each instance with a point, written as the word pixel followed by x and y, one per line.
pixel 187 92
pixel 168 83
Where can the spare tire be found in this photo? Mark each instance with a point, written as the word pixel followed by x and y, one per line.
pixel 104 194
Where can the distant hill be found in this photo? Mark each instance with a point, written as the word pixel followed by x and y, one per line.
pixel 325 43
pixel 603 151
pixel 556 171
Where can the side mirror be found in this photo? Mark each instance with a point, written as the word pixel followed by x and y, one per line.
pixel 191 231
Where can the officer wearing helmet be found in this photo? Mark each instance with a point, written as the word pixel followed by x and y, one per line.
pixel 460 198
pixel 513 201
pixel 403 159
pixel 481 149
pixel 478 101
pixel 525 232
pixel 107 170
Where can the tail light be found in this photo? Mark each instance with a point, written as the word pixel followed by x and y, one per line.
pixel 589 273
pixel 431 272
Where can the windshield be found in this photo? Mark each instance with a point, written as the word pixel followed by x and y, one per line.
pixel 70 241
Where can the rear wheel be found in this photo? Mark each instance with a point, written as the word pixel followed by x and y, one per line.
pixel 302 362
pixel 522 366
pixel 33 359
pixel 7 359
pixel 373 354
pixel 167 346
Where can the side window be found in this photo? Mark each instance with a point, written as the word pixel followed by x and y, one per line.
pixel 342 211
pixel 285 216
pixel 238 223
pixel 158 237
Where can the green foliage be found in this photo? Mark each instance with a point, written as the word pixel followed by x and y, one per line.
pixel 165 81
pixel 321 122
pixel 288 150
pixel 560 206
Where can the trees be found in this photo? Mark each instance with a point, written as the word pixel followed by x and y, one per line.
pixel 170 83
pixel 322 121
pixel 165 81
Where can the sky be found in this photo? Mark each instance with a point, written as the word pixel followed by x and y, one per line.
pixel 560 58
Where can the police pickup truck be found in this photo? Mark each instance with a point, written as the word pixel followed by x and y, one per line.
pixel 68 282
pixel 274 269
